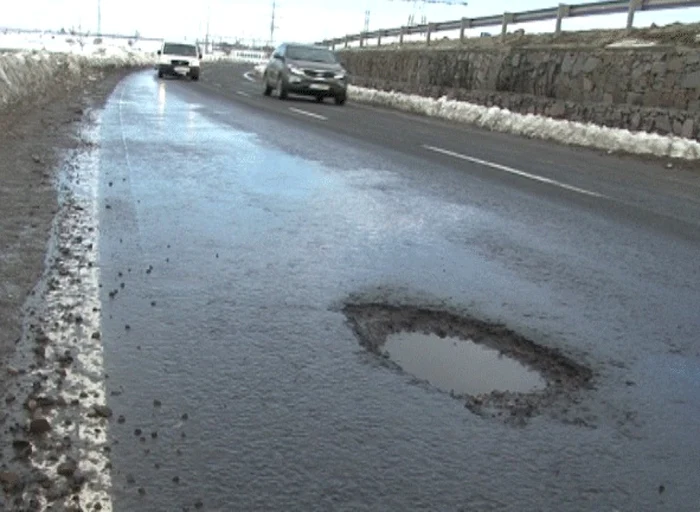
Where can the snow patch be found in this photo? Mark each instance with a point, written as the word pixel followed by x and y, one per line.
pixel 631 43
pixel 533 126
pixel 27 74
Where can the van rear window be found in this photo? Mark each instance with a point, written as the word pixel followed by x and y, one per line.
pixel 180 49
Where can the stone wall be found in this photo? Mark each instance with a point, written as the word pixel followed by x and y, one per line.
pixel 655 88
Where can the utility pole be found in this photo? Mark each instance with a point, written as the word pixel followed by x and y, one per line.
pixel 272 24
pixel 99 17
pixel 206 36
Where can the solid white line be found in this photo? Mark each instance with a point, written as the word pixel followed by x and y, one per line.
pixel 248 77
pixel 511 170
pixel 241 93
pixel 310 114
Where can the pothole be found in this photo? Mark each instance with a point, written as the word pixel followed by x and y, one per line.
pixel 458 366
pixel 495 371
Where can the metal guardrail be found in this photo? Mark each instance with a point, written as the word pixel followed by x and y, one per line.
pixel 555 13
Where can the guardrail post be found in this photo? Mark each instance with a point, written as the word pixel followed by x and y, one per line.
pixel 347 41
pixel 379 39
pixel 362 40
pixel 430 31
pixel 403 31
pixel 507 18
pixel 634 5
pixel 465 24
pixel 562 13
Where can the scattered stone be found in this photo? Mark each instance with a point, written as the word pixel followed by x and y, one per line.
pixel 100 411
pixel 157 403
pixel 67 468
pixel 10 398
pixel 39 426
pixel 66 359
pixel 10 481
pixel 121 419
pixel 176 479
pixel 153 303
pixel 137 432
pixel 127 327
pixel 96 335
pixel 142 491
pixel 662 488
pixel 43 339
pixel 198 504
pixel 154 435
pixel 185 417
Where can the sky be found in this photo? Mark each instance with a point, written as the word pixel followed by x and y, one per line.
pixel 295 20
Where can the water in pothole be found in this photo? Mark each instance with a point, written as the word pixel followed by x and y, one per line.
pixel 459 366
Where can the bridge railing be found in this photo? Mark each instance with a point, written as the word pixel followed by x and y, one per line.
pixel 558 13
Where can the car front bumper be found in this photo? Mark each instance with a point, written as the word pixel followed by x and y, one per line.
pixel 316 87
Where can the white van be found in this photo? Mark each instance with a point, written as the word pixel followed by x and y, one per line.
pixel 179 59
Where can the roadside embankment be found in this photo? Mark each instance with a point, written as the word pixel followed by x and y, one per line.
pixel 25 76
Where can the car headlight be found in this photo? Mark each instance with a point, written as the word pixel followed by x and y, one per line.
pixel 295 70
pixel 340 76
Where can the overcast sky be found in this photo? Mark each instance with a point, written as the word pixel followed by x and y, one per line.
pixel 298 20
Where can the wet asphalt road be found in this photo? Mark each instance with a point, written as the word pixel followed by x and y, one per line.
pixel 236 225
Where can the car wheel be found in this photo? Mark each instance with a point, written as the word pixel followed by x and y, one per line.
pixel 160 74
pixel 194 76
pixel 281 89
pixel 267 90
pixel 319 99
pixel 340 100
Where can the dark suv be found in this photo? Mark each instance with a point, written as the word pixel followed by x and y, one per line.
pixel 305 70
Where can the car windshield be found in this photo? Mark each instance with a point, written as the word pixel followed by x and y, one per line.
pixel 311 54
pixel 180 49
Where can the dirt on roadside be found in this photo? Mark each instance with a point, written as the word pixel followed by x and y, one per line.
pixel 33 138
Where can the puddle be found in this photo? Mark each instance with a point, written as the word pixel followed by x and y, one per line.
pixel 496 372
pixel 459 366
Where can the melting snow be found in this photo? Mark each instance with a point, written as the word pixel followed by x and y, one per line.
pixel 534 126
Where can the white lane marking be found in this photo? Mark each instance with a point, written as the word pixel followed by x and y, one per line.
pixel 241 93
pixel 248 77
pixel 512 170
pixel 310 114
pixel 121 127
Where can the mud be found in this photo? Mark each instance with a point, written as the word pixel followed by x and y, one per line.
pixel 373 323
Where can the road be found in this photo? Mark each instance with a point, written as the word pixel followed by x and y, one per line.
pixel 232 227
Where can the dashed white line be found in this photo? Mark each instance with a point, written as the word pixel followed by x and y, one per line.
pixel 512 170
pixel 241 93
pixel 309 114
pixel 248 77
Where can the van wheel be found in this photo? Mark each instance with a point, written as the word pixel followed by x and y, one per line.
pixel 340 100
